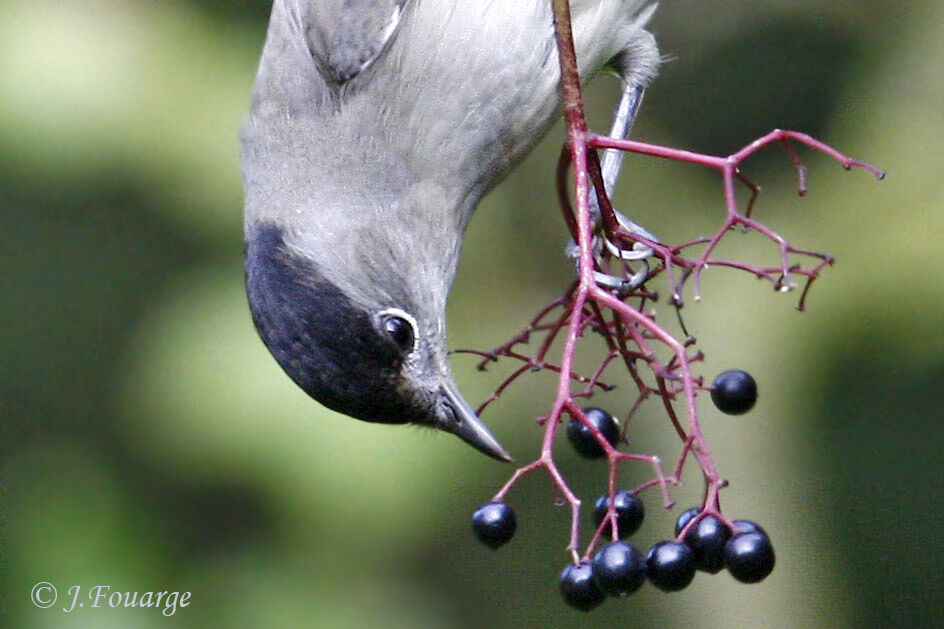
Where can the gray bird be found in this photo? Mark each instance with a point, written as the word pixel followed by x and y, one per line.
pixel 375 128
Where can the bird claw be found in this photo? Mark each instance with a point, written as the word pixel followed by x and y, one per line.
pixel 640 251
pixel 620 284
pixel 623 285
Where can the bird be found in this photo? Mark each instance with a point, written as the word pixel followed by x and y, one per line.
pixel 374 129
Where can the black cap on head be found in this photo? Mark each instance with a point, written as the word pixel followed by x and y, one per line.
pixel 339 352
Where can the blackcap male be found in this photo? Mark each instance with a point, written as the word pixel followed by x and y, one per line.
pixel 375 128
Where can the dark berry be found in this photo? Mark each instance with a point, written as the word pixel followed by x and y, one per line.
pixel 746 526
pixel 685 518
pixel 582 438
pixel 734 392
pixel 630 512
pixel 670 566
pixel 749 557
pixel 707 538
pixel 494 523
pixel 619 569
pixel 579 588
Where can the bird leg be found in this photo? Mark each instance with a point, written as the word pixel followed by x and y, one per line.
pixel 609 169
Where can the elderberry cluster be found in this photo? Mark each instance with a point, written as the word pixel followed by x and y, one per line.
pixel 619 568
pixel 703 540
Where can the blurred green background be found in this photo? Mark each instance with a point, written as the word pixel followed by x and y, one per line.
pixel 150 443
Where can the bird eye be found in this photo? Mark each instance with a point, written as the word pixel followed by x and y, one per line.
pixel 400 330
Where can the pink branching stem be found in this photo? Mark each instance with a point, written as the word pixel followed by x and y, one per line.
pixel 632 336
pixel 573 113
pixel 729 167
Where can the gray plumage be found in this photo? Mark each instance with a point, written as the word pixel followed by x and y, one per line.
pixel 375 128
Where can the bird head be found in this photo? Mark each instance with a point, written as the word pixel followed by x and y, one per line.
pixel 358 334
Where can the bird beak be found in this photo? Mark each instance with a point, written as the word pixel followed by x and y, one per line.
pixel 467 426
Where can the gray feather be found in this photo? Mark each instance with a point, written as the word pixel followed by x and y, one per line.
pixel 346 36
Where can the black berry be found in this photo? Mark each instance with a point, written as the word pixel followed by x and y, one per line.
pixel 707 538
pixel 746 526
pixel 582 438
pixel 749 556
pixel 630 512
pixel 685 518
pixel 579 588
pixel 494 523
pixel 619 569
pixel 734 392
pixel 670 566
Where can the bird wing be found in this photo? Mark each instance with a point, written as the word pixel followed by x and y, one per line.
pixel 346 36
